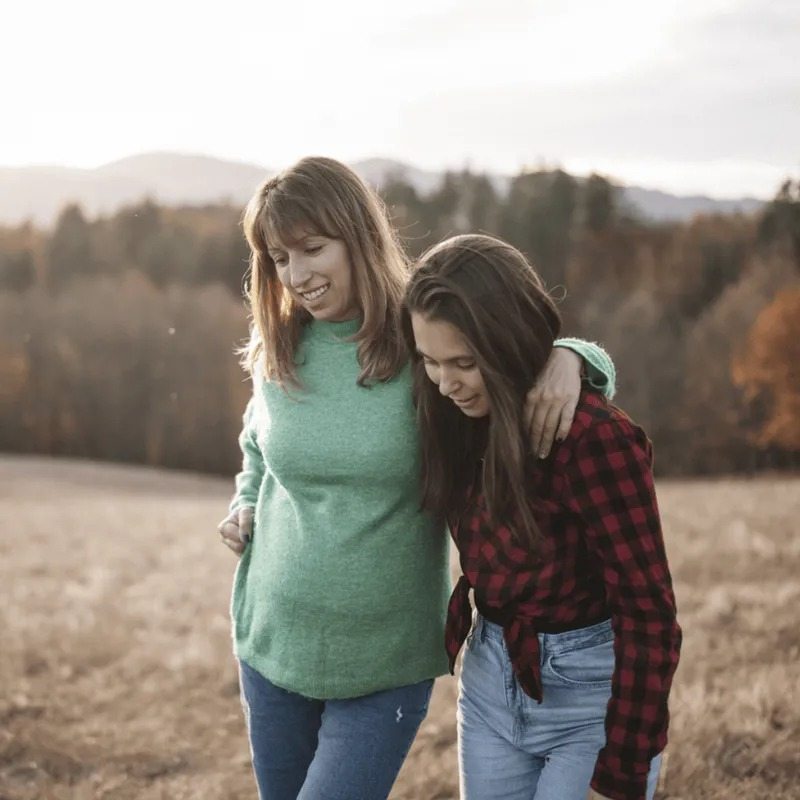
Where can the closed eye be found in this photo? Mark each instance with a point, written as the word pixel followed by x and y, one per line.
pixel 465 364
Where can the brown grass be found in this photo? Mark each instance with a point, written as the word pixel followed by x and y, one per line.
pixel 117 682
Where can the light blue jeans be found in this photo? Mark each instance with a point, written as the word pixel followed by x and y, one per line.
pixel 512 748
pixel 329 749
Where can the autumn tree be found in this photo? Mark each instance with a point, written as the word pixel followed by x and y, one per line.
pixel 768 368
pixel 132 358
pixel 17 271
pixel 711 420
pixel 704 256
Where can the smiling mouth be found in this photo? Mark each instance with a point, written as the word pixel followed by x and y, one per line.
pixel 463 402
pixel 314 294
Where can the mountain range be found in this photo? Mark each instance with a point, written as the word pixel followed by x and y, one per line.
pixel 39 193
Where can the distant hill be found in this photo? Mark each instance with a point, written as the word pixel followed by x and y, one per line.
pixel 663 207
pixel 39 193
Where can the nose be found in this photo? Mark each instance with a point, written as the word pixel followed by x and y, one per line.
pixel 299 273
pixel 448 383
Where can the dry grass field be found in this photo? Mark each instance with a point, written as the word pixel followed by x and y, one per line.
pixel 117 683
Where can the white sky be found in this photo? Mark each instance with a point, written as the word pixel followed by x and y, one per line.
pixel 688 95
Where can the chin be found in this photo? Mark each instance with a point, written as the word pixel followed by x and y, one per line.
pixel 328 314
pixel 475 413
pixel 332 314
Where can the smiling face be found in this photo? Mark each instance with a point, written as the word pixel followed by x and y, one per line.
pixel 316 271
pixel 450 364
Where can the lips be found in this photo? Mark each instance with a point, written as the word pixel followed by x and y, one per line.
pixel 314 294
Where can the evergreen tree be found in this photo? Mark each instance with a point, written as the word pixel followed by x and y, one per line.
pixel 70 252
pixel 599 203
pixel 781 219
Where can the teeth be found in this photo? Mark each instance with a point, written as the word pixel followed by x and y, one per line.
pixel 313 295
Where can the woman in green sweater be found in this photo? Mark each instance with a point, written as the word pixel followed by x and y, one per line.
pixel 340 595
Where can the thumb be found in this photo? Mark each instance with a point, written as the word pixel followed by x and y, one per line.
pixel 245 524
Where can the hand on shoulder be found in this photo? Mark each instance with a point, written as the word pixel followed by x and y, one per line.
pixel 550 405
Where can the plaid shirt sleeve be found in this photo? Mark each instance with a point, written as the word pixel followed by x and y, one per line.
pixel 609 484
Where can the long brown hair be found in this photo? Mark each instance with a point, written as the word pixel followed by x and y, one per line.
pixel 486 289
pixel 323 196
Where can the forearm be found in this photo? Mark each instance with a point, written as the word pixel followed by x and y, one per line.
pixel 646 656
pixel 611 487
pixel 249 478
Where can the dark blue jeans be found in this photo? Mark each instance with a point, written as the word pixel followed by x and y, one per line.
pixel 306 749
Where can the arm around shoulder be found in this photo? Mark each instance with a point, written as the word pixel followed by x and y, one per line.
pixel 601 373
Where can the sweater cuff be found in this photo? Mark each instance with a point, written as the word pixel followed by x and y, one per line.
pixel 600 371
pixel 239 501
pixel 619 781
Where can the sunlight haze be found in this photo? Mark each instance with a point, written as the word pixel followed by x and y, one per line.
pixel 688 97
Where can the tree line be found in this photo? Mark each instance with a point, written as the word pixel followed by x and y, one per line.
pixel 117 334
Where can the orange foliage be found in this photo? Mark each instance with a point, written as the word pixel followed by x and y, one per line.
pixel 769 365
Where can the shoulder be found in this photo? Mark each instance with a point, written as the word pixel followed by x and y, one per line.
pixel 601 427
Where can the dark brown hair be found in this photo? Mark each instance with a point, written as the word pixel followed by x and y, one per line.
pixel 323 196
pixel 486 289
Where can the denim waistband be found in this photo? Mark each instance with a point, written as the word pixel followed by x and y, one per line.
pixel 550 642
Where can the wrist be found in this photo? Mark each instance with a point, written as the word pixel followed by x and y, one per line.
pixel 571 355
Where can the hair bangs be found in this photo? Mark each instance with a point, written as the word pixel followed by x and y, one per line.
pixel 288 217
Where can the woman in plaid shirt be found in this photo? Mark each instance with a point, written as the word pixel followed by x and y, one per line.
pixel 568 664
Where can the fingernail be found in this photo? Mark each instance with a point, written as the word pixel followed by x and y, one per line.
pixel 542 454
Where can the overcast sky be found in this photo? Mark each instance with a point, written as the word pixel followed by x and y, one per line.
pixel 688 96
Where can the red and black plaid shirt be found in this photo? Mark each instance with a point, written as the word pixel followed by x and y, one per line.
pixel 602 555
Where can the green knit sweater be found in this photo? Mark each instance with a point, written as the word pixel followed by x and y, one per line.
pixel 343 590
